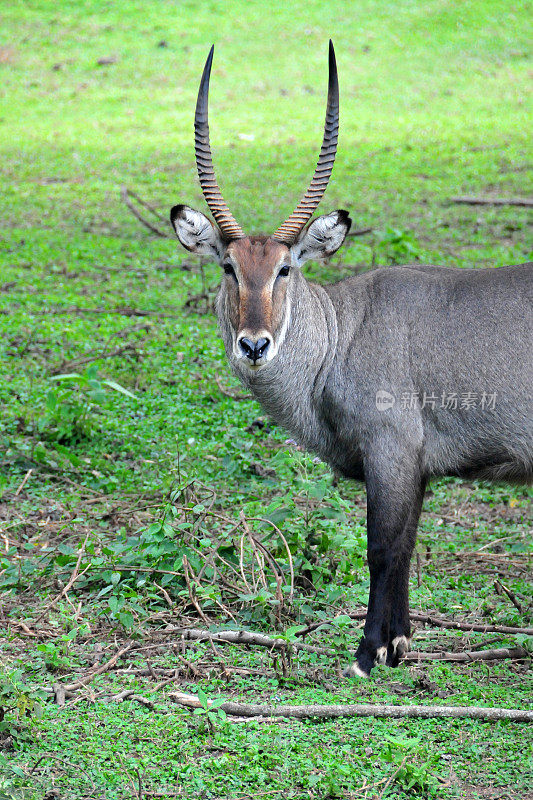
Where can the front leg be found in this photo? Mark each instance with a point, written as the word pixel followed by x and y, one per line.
pixel 400 626
pixel 394 486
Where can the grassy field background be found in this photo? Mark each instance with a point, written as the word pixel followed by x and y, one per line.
pixel 95 96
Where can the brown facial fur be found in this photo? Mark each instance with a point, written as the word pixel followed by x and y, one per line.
pixel 256 302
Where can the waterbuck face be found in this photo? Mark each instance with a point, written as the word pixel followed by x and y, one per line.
pixel 254 303
pixel 258 275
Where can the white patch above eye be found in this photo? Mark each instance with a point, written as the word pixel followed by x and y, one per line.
pixel 196 233
pixel 322 238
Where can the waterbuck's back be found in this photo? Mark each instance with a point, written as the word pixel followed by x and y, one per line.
pixel 439 356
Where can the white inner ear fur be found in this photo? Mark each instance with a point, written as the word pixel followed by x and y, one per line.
pixel 198 234
pixel 322 238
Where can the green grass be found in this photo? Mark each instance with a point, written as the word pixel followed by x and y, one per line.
pixel 434 103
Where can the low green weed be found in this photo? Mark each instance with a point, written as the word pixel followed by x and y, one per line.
pixel 70 408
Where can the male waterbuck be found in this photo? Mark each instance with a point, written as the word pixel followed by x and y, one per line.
pixel 393 376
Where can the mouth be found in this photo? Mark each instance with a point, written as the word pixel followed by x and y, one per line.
pixel 253 366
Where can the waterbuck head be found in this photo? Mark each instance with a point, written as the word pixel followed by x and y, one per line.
pixel 260 271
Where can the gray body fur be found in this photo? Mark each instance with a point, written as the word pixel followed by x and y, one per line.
pixel 405 330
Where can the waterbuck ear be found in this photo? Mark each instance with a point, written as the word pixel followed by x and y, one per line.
pixel 197 233
pixel 322 237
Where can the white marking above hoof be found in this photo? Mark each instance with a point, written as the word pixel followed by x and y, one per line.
pixel 355 671
pixel 381 655
pixel 403 641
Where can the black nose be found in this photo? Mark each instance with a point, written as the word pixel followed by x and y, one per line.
pixel 254 350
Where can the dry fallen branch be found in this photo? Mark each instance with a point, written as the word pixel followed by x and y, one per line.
pixel 61 691
pixel 129 694
pixel 254 638
pixel 437 622
pixel 59 694
pixel 125 311
pixel 361 710
pixel 127 196
pixel 68 688
pixel 246 638
pixel 493 201
pixel 502 589
pixel 466 656
pixel 68 366
pixel 17 624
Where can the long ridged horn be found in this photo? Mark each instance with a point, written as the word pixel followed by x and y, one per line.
pixel 204 160
pixel 290 229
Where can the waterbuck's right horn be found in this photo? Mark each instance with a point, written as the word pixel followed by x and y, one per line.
pixel 204 160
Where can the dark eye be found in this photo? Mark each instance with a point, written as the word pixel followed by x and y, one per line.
pixel 284 271
pixel 228 269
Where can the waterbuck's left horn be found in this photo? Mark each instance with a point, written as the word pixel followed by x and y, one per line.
pixel 204 160
pixel 290 229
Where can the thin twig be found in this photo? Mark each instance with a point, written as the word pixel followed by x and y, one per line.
pixel 165 682
pixel 241 563
pixel 361 710
pixel 284 540
pixel 24 627
pixel 391 778
pixel 151 670
pixel 24 482
pixel 140 789
pixel 230 394
pixel 165 595
pixel 497 541
pixel 190 588
pixel 500 588
pixel 73 578
pixel 61 765
pixel 128 694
